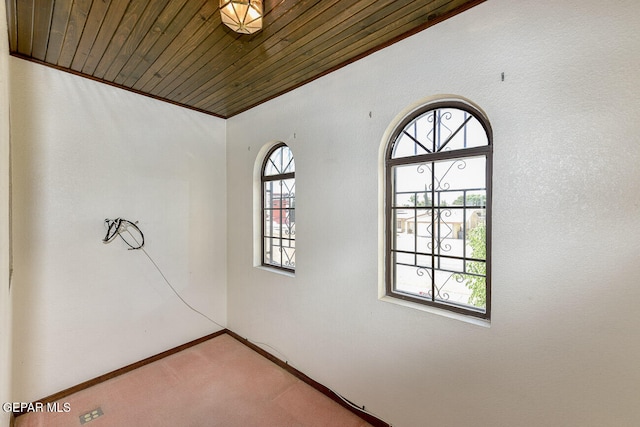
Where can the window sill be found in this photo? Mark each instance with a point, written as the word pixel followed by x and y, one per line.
pixel 276 270
pixel 437 311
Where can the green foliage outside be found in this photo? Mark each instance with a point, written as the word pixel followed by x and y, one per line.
pixel 472 200
pixel 477 284
pixel 424 201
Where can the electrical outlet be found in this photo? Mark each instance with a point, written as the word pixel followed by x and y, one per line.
pixel 91 415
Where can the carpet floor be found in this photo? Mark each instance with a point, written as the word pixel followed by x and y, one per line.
pixel 220 382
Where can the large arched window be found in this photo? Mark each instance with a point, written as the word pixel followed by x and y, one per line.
pixel 438 209
pixel 278 209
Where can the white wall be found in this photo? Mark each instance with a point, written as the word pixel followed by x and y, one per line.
pixel 562 348
pixel 5 308
pixel 83 152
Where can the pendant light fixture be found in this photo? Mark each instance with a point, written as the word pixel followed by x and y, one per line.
pixel 242 16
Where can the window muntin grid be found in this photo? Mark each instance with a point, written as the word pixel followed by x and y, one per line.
pixel 278 209
pixel 438 175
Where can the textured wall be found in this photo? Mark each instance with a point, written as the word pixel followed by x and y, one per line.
pixel 562 347
pixel 5 309
pixel 83 152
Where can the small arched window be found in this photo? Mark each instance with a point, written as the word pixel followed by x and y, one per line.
pixel 278 209
pixel 438 209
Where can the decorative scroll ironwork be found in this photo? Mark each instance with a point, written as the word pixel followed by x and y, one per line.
pixel 432 228
pixel 438 118
pixel 437 181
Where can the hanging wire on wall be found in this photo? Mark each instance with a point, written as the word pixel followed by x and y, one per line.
pixel 115 227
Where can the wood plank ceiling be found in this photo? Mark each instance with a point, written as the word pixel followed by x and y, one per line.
pixel 180 52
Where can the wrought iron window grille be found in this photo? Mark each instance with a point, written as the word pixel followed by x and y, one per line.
pixel 438 209
pixel 278 209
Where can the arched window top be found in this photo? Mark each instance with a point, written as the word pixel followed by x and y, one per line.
pixel 438 128
pixel 279 161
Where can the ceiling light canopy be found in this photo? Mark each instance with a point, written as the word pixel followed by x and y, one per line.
pixel 242 16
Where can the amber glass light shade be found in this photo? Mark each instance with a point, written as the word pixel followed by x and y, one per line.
pixel 242 16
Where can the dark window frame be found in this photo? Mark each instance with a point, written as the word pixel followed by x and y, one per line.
pixel 390 194
pixel 263 209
